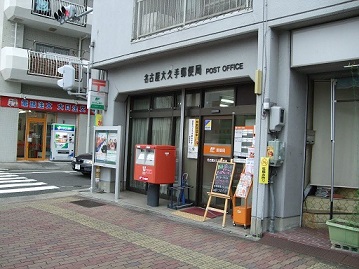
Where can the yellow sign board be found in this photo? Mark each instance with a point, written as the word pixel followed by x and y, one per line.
pixel 264 170
pixel 98 120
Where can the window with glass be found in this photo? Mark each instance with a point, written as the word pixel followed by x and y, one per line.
pixel 178 100
pixel 151 16
pixel 163 102
pixel 154 119
pixel 193 99
pixel 212 7
pixel 51 49
pixel 219 98
pixel 139 135
pixel 140 104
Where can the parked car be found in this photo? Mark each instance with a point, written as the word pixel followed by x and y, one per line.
pixel 82 163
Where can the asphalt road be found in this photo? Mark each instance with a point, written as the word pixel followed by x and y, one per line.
pixel 16 183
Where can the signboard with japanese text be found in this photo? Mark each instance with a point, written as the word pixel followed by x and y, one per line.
pixel 193 138
pixel 243 141
pixel 98 120
pixel 98 95
pixel 220 150
pixel 264 170
pixel 41 105
pixel 97 100
pixel 230 60
pixel 223 177
pixel 191 71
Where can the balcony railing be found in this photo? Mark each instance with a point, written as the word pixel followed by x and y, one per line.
pixel 46 64
pixel 153 16
pixel 47 8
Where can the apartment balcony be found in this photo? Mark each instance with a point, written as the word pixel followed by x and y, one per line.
pixel 39 14
pixel 154 16
pixel 36 68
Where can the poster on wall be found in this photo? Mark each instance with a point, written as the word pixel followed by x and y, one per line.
pixel 106 146
pixel 243 141
pixel 244 185
pixel 193 136
pixel 101 146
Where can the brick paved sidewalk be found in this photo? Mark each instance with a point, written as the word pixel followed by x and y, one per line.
pixel 59 233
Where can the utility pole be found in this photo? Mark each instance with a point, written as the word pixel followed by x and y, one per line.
pixel 69 13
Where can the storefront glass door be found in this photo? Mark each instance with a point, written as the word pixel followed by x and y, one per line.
pixel 35 139
pixel 217 144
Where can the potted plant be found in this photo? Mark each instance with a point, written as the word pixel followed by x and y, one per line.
pixel 344 234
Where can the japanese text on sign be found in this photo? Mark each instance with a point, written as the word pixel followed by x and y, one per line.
pixel 193 138
pixel 40 105
pixel 263 170
pixel 190 71
pixel 182 72
pixel 223 177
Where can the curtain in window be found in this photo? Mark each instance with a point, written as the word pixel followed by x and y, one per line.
pixel 177 143
pixel 139 136
pixel 161 131
pixel 161 135
pixel 163 102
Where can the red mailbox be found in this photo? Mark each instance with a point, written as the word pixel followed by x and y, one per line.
pixel 155 164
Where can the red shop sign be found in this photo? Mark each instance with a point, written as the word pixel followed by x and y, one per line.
pixel 40 105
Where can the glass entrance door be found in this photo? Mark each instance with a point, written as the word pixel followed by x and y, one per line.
pixel 217 144
pixel 35 139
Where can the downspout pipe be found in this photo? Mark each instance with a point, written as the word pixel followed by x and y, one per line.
pixel 272 201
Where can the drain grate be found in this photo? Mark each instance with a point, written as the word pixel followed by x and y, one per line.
pixel 87 203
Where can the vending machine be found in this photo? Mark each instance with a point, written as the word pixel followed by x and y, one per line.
pixel 62 142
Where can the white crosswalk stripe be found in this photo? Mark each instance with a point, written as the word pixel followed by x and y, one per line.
pixel 17 181
pixel 13 178
pixel 7 175
pixel 12 183
pixel 2 186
